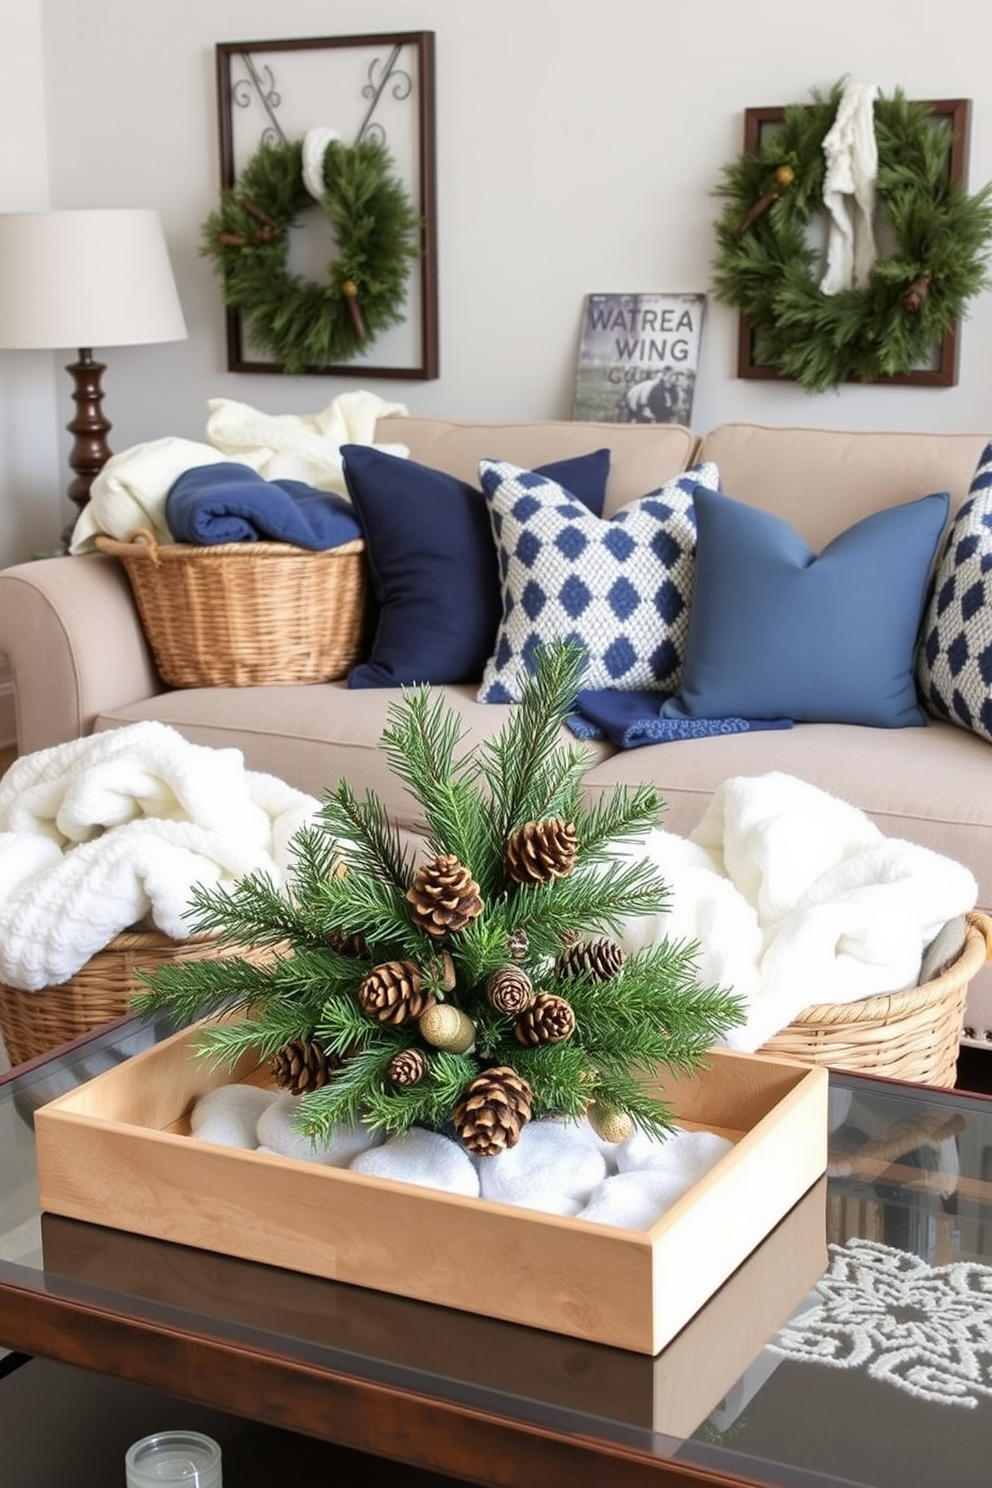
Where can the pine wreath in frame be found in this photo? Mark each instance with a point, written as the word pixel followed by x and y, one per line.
pixel 302 323
pixel 769 267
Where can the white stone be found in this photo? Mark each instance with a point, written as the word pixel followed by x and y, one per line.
pixel 277 1131
pixel 229 1115
pixel 550 1163
pixel 424 1158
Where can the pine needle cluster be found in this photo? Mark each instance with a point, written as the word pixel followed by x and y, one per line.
pixel 354 906
pixel 770 270
pixel 299 322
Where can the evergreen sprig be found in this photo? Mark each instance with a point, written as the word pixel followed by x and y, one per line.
pixel 420 744
pixel 351 911
pixel 530 773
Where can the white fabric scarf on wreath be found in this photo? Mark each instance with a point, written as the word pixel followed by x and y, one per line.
pixel 849 190
pixel 315 143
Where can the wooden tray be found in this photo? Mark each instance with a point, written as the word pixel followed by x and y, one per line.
pixel 116 1152
pixel 703 1371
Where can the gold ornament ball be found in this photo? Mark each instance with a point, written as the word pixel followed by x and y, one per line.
pixel 608 1123
pixel 785 175
pixel 447 1027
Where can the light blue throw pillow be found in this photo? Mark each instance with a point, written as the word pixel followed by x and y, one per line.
pixel 620 587
pixel 954 665
pixel 777 631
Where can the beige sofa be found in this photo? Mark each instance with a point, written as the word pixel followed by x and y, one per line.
pixel 80 662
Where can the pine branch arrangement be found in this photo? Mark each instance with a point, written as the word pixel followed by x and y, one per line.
pixel 480 986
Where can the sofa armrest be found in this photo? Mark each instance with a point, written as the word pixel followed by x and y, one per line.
pixel 73 639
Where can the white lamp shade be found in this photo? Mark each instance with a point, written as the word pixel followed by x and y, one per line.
pixel 84 279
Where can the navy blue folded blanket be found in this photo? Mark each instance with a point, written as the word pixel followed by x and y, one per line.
pixel 632 719
pixel 229 502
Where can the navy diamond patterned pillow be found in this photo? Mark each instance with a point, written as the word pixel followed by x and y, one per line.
pixel 954 661
pixel 621 588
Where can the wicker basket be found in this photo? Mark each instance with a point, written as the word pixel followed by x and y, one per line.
pixel 246 614
pixel 913 1035
pixel 34 1022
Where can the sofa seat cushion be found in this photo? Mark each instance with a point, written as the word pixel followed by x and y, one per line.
pixel 927 785
pixel 312 736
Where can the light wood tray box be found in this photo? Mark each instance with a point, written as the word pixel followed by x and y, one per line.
pixel 703 1370
pixel 116 1152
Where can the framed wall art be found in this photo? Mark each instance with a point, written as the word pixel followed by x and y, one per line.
pixel 950 119
pixel 638 358
pixel 359 112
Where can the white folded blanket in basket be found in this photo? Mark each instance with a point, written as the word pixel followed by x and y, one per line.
pixel 130 491
pixel 112 831
pixel 303 447
pixel 795 897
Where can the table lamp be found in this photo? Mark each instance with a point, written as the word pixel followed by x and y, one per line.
pixel 82 279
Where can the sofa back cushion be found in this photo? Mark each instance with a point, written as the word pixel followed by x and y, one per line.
pixel 822 481
pixel 644 456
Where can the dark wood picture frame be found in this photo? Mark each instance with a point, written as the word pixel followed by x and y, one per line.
pixel 392 73
pixel 944 372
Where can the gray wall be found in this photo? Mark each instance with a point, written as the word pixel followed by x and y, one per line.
pixel 578 146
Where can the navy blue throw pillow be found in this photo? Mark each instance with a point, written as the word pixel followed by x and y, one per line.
pixel 432 563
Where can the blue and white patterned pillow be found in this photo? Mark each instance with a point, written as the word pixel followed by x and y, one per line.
pixel 621 588
pixel 954 661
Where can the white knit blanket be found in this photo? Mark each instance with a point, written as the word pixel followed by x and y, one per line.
pixel 114 831
pixel 795 897
pixel 130 491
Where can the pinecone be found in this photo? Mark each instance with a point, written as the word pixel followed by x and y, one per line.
pixel 518 944
pixel 548 1020
pixel 509 990
pixel 493 1110
pixel 407 1067
pixel 394 992
pixel 444 895
pixel 540 851
pixel 303 1065
pixel 441 973
pixel 347 945
pixel 601 959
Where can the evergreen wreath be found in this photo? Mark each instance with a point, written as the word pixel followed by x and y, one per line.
pixel 474 989
pixel 767 267
pixel 298 322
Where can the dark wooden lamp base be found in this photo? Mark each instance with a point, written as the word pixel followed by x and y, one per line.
pixel 90 450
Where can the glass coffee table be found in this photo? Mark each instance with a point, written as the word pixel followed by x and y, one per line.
pixel 853 1347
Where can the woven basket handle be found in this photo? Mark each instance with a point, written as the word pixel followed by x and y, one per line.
pixel 143 537
pixel 983 923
